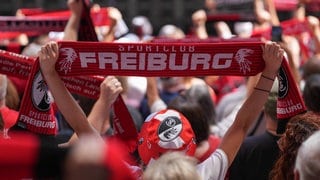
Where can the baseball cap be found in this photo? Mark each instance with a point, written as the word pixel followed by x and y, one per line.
pixel 165 130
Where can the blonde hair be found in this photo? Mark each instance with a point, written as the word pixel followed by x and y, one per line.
pixel 172 166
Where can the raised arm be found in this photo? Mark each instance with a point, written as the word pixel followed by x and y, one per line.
pixel 67 105
pixel 272 55
pixel 99 116
pixel 71 29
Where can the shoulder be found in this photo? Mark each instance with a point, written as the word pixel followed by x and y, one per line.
pixel 214 167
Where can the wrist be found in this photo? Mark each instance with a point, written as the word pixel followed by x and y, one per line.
pixel 269 74
pixel 49 73
pixel 104 102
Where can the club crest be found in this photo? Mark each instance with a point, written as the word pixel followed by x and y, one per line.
pixel 170 128
pixel 241 58
pixel 283 83
pixel 69 55
pixel 40 97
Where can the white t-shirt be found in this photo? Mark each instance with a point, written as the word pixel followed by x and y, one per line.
pixel 215 167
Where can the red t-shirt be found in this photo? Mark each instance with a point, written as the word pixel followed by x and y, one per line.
pixel 9 116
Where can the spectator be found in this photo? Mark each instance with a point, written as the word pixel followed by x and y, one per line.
pixel 258 153
pixel 222 158
pixel 171 31
pixel 307 161
pixel 311 93
pixel 172 165
pixel 8 116
pixel 298 129
pixel 196 104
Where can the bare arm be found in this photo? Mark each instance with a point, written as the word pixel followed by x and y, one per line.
pixel 71 29
pixel 155 103
pixel 99 116
pixel 232 140
pixel 273 13
pixel 314 25
pixel 262 15
pixel 67 105
pixel 199 19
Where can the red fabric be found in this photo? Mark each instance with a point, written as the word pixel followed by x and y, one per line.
pixel 20 84
pixel 289 101
pixel 285 5
pixel 83 58
pixel 9 116
pixel 33 25
pixel 226 84
pixel 86 31
pixel 18 67
pixel 124 126
pixel 37 115
pixel 150 59
pixel 214 142
pixel 123 123
pixel 100 18
pixel 289 27
pixel 18 156
pixel 15 65
pixel 166 130
pixel 115 158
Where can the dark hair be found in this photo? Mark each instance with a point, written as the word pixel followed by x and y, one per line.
pixel 311 93
pixel 312 66
pixel 203 97
pixel 197 106
pixel 1 123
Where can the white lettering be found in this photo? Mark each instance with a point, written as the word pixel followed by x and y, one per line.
pixel 217 64
pixel 174 66
pixel 128 61
pixel 108 58
pixel 156 61
pixel 200 59
pixel 290 109
pixel 87 58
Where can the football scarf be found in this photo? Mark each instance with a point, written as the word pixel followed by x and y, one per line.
pixel 78 61
pixel 123 123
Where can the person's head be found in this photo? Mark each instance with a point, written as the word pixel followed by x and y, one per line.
pixel 141 26
pixel 172 165
pixel 311 66
pixel 197 106
pixel 92 158
pixel 195 115
pixel 298 129
pixel 202 95
pixel 311 93
pixel 171 31
pixel 164 131
pixel 3 89
pixel 270 107
pixel 307 166
pixel 171 84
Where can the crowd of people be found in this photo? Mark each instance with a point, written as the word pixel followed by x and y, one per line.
pixel 208 127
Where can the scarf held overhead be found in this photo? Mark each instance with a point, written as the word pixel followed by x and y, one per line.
pixel 78 59
pixel 177 59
